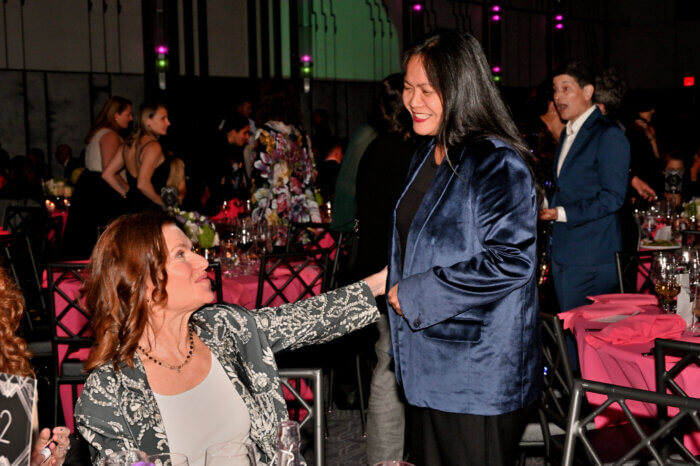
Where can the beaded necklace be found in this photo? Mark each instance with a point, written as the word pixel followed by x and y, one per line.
pixel 165 364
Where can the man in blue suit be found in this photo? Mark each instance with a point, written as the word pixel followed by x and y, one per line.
pixel 590 177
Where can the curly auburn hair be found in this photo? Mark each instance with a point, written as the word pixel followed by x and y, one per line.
pixel 14 356
pixel 129 253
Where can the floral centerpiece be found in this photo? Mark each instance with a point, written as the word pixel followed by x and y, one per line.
pixel 692 207
pixel 58 187
pixel 284 179
pixel 198 228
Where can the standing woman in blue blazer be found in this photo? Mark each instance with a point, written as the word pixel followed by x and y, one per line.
pixel 462 264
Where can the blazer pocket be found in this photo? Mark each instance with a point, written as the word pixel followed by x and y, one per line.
pixel 456 330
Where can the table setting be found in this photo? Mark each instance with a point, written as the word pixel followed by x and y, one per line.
pixel 615 338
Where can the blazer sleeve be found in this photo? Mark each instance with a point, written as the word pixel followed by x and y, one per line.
pixel 318 319
pixel 613 152
pixel 505 219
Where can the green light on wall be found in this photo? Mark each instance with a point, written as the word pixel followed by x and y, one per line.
pixel 497 79
pixel 306 70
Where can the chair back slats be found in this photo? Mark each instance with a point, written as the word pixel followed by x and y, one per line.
pixel 215 267
pixel 64 280
pixel 557 379
pixel 631 266
pixel 648 439
pixel 283 272
pixel 35 223
pixel 18 257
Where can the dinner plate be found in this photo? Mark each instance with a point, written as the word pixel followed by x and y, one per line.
pixel 651 247
pixel 614 318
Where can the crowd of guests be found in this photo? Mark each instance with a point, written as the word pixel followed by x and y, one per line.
pixel 440 184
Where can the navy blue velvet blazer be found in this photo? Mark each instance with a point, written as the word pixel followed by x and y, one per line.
pixel 469 340
pixel 591 188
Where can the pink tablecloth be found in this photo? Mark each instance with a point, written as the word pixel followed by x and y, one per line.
pixel 240 290
pixel 627 366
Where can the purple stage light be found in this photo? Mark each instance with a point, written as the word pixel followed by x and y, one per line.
pixel 496 69
pixel 496 8
pixel 162 49
pixel 306 58
pixel 496 17
pixel 559 17
pixel 559 26
pixel 417 7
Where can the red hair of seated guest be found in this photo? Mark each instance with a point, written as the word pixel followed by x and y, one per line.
pixel 14 356
pixel 129 253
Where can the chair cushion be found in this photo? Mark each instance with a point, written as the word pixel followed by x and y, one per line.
pixel 40 348
pixel 72 368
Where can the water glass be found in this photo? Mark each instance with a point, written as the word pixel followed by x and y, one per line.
pixel 663 273
pixel 230 453
pixel 229 258
pixel 288 443
pixel 167 459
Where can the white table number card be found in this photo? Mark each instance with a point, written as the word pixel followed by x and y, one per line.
pixel 16 403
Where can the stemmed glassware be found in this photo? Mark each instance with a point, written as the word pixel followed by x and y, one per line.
pixel 663 274
pixel 288 443
pixel 245 240
pixel 230 453
pixel 131 457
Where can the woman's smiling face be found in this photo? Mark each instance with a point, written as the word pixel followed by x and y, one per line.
pixel 421 99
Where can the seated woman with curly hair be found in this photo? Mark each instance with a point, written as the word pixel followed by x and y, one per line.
pixel 173 373
pixel 14 360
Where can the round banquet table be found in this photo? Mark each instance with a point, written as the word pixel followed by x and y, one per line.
pixel 629 365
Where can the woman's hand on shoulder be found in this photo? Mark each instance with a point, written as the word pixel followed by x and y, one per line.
pixel 56 441
pixel 377 282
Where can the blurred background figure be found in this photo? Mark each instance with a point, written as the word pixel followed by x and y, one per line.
pixel 94 203
pixel 380 178
pixel 67 163
pixel 227 175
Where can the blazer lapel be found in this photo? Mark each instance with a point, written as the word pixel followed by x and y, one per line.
pixel 443 178
pixel 582 137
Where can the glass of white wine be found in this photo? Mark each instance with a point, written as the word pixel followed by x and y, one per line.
pixel 667 285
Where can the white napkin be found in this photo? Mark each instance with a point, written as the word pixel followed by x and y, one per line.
pixel 684 305
pixel 663 234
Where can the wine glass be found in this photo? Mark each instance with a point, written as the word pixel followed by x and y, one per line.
pixel 245 239
pixel 230 453
pixel 228 256
pixel 663 273
pixel 167 459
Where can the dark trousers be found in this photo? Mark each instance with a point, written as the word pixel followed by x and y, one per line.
pixel 439 438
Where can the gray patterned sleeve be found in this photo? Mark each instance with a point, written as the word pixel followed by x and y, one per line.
pixel 318 319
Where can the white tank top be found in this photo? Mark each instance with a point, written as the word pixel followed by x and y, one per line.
pixel 212 412
pixel 93 154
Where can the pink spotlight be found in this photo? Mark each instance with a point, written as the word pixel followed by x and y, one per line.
pixel 496 69
pixel 496 8
pixel 559 26
pixel 496 17
pixel 417 7
pixel 162 49
pixel 559 17
pixel 306 58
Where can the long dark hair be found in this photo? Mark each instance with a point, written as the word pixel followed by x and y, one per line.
pixel 473 109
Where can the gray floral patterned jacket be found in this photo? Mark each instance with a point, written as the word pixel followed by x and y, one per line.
pixel 117 411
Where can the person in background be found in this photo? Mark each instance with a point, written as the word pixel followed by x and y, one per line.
pixel 245 108
pixel 328 170
pixel 646 161
pixel 227 177
pixel 64 155
pixel 142 156
pixel 171 372
pixel 462 285
pixel 94 203
pixel 591 179
pixel 380 179
pixel 37 158
pixel 14 360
